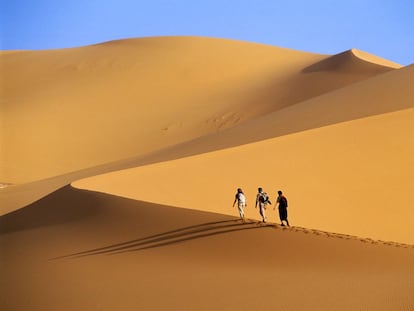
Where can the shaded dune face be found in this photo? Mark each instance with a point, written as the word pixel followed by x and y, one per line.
pixel 119 164
pixel 75 113
pixel 91 249
pixel 353 61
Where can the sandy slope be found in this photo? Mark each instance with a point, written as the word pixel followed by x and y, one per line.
pixel 70 109
pixel 352 175
pixel 183 122
pixel 79 250
pixel 361 186
pixel 59 106
pixel 380 162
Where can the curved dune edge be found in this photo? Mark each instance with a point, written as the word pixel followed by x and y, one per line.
pixel 353 178
pixel 17 196
pixel 101 93
pixel 374 59
pixel 125 254
pixel 343 134
pixel 221 129
pixel 372 155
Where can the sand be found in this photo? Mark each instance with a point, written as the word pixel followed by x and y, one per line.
pixel 68 107
pixel 120 161
pixel 80 250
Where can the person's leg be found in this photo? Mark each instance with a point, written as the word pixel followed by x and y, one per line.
pixel 285 216
pixel 241 212
pixel 263 211
pixel 281 216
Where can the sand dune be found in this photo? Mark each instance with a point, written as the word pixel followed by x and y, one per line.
pixel 339 175
pixel 66 110
pixel 72 109
pixel 79 250
pixel 360 186
pixel 169 127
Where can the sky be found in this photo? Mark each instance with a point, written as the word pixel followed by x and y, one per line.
pixel 381 27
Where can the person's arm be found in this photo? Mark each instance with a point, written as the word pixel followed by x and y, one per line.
pixel 277 201
pixel 235 200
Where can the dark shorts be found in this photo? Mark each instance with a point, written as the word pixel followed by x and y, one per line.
pixel 282 212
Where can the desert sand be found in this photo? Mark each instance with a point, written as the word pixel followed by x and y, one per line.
pixel 120 161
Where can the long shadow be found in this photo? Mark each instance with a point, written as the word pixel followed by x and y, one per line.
pixel 198 236
pixel 170 237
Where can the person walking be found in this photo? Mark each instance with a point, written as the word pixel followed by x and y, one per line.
pixel 262 199
pixel 240 198
pixel 283 204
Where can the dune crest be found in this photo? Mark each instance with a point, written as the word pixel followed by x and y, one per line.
pixel 375 59
pixel 99 98
pixel 319 144
pixel 64 109
pixel 162 131
pixel 81 250
pixel 352 61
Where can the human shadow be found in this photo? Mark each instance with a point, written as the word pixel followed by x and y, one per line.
pixel 171 237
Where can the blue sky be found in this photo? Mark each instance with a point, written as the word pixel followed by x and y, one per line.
pixel 382 27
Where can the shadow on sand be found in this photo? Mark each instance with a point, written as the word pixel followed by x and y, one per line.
pixel 172 237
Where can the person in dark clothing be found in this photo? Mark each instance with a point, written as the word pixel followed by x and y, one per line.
pixel 283 204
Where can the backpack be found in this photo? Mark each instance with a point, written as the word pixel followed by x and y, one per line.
pixel 264 198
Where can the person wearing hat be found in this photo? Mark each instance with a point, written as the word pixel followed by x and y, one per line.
pixel 240 198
